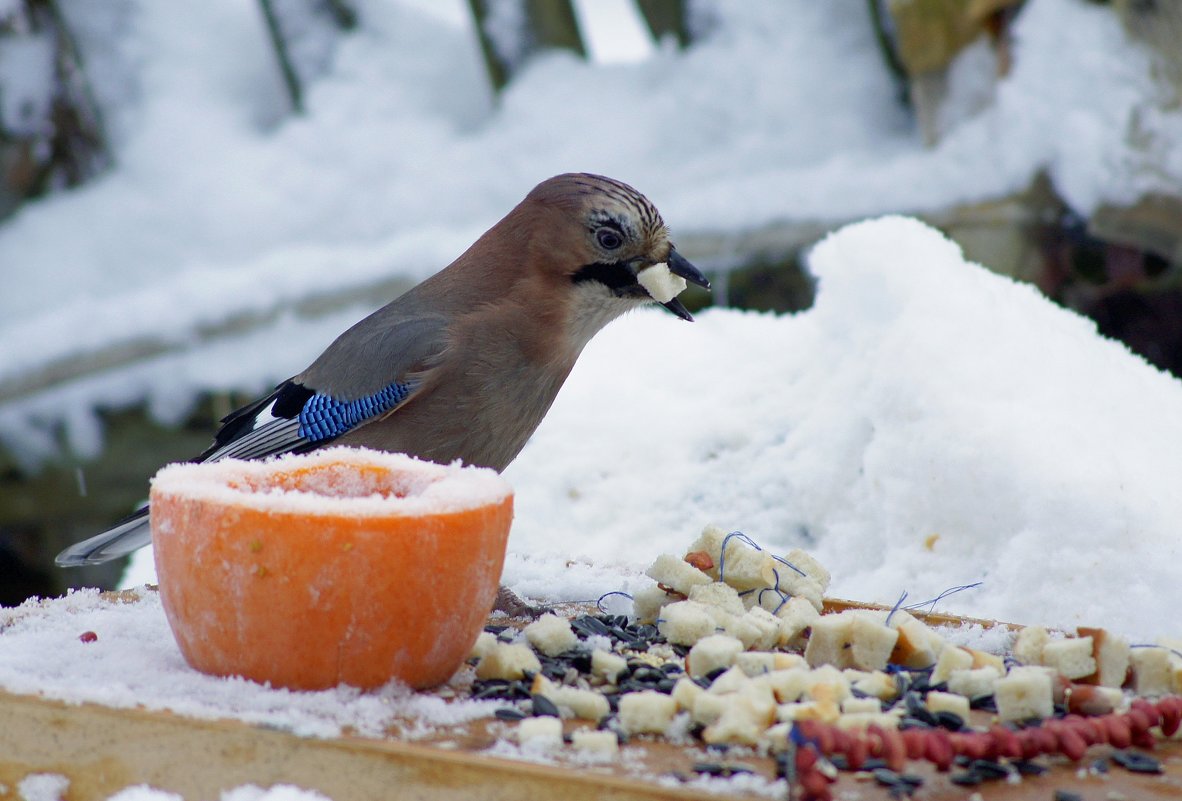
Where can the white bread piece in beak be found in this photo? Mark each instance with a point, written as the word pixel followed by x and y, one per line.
pixel 660 283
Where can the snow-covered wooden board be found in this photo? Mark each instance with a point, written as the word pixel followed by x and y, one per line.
pixel 102 750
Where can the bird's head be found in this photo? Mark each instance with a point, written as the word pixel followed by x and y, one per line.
pixel 618 245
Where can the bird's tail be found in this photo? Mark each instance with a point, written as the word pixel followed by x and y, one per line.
pixel 129 534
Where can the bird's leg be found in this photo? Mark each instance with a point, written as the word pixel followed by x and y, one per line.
pixel 514 605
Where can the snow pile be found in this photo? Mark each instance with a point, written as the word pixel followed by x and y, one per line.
pixel 927 424
pixel 222 209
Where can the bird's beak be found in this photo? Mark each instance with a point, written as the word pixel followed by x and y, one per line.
pixel 680 265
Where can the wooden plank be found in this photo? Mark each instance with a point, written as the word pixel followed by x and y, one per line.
pixel 102 750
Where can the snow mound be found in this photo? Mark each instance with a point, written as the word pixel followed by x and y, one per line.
pixel 926 424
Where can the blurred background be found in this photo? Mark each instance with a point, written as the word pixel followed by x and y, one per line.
pixel 196 198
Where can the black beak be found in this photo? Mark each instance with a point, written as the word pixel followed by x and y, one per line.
pixel 680 265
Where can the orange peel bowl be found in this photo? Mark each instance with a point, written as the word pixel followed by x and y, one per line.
pixel 343 566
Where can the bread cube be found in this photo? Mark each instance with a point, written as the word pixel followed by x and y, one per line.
pixel 646 712
pixel 747 568
pixel 985 659
pixel 974 682
pixel 1111 653
pixel 830 641
pixel 871 641
pixel 1152 673
pixel 648 602
pixel 743 721
pixel 718 594
pixel 757 629
pixel 685 622
pixel 859 721
pixel 551 635
pixel 607 666
pixel 710 541
pixel 708 708
pixel 877 684
pixel 484 643
pixel 810 566
pixel 798 586
pixel 540 734
pixel 787 685
pixel 685 693
pixel 755 663
pixel 676 573
pixel 732 681
pixel 510 662
pixel 827 683
pixel 1028 645
pixel 949 660
pixel 582 704
pixel 1024 692
pixel 1072 657
pixel 602 746
pixel 918 646
pixel 948 702
pixel 854 704
pixel 712 652
pixel 775 738
pixel 824 711
pixel 796 617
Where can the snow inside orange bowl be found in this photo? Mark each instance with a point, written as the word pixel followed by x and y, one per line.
pixel 341 566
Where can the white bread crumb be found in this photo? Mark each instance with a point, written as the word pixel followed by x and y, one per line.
pixel 918 646
pixel 509 662
pixel 796 616
pixel 743 721
pixel 1111 653
pixel 718 594
pixel 871 641
pixel 602 744
pixel 660 283
pixel 551 635
pixel 757 629
pixel 484 643
pixel 1029 643
pixel 1152 674
pixel 948 702
pixel 676 573
pixel 712 652
pixel 1072 657
pixel 950 659
pixel 974 682
pixel 607 666
pixel 686 692
pixel 647 603
pixel 540 734
pixel 811 567
pixel 685 622
pixel 732 681
pixel 878 684
pixel 1024 692
pixel 854 704
pixel 646 712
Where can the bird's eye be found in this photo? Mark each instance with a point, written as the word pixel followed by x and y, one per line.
pixel 608 239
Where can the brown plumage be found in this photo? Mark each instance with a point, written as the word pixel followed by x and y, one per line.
pixel 466 364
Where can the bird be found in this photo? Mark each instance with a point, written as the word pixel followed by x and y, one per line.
pixel 464 365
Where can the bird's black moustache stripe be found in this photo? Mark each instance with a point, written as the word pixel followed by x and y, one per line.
pixel 614 275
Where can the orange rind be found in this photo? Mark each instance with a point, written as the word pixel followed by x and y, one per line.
pixel 343 566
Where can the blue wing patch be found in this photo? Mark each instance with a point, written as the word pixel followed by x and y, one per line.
pixel 324 417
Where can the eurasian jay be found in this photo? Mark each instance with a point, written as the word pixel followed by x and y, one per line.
pixel 466 364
